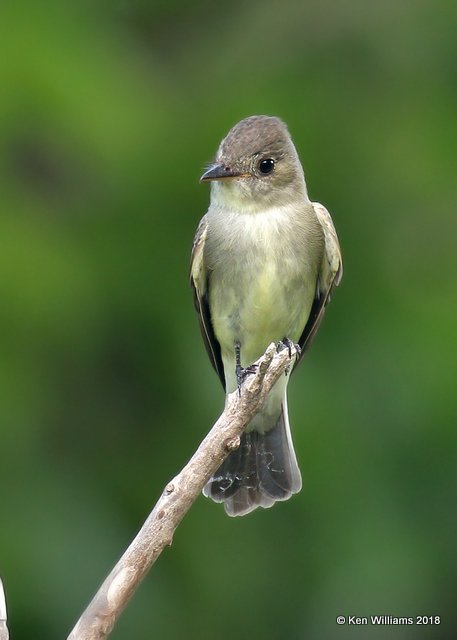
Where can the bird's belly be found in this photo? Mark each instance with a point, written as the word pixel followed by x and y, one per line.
pixel 271 303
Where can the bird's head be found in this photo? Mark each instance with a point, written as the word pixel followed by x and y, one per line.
pixel 256 166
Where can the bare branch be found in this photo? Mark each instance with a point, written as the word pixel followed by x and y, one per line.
pixel 99 618
pixel 4 634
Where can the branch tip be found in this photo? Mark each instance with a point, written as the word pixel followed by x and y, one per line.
pixel 3 616
pixel 4 633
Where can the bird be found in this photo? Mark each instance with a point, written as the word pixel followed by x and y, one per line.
pixel 264 263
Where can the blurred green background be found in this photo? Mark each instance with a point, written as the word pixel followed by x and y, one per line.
pixel 109 110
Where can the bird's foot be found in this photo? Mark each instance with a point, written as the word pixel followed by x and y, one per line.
pixel 242 373
pixel 286 343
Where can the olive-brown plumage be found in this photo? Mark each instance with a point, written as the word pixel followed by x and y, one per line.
pixel 264 262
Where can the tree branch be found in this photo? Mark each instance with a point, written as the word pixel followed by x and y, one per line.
pixel 99 618
pixel 4 634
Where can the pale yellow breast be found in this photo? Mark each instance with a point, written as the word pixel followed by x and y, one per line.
pixel 263 279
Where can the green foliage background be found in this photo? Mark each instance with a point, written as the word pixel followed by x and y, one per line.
pixel 108 112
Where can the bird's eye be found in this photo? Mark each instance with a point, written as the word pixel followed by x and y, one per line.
pixel 266 166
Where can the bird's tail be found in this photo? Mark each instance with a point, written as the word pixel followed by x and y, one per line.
pixel 260 472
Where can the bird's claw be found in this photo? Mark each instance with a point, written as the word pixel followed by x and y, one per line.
pixel 286 343
pixel 242 373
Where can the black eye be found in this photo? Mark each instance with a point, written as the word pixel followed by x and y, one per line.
pixel 266 166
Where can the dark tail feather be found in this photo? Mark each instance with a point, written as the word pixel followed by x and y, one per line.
pixel 261 471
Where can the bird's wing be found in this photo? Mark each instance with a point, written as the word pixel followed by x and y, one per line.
pixel 329 276
pixel 199 283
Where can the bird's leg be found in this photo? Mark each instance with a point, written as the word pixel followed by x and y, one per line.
pixel 241 372
pixel 287 343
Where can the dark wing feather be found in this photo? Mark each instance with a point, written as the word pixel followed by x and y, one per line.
pixel 199 279
pixel 329 276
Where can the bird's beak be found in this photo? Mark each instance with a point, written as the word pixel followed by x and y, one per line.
pixel 219 171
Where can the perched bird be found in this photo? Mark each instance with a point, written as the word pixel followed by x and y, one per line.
pixel 264 262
